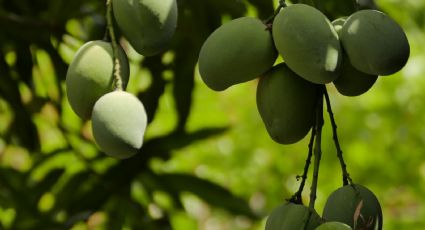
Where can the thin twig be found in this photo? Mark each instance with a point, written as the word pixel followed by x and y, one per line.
pixel 317 148
pixel 345 176
pixel 117 67
pixel 297 197
pixel 269 20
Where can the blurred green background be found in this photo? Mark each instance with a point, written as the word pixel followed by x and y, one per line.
pixel 207 161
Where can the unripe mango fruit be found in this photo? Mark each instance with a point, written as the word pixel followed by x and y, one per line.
pixel 291 216
pixel 374 43
pixel 338 23
pixel 148 25
pixel 286 103
pixel 308 43
pixel 119 123
pixel 352 82
pixel 342 204
pixel 333 226
pixel 91 75
pixel 236 52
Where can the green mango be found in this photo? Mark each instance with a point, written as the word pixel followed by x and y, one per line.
pixel 342 204
pixel 352 82
pixel 286 103
pixel 236 52
pixel 308 43
pixel 118 124
pixel 91 75
pixel 334 226
pixel 374 43
pixel 338 23
pixel 291 216
pixel 148 25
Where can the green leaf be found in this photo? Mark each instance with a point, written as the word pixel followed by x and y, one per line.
pixel 211 193
pixel 150 97
pixel 22 126
pixel 235 8
pixel 265 8
pixel 48 181
pixel 66 196
pixel 184 82
pixel 24 63
pixel 161 146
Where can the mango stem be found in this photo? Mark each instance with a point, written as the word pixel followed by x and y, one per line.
pixel 110 28
pixel 269 20
pixel 345 175
pixel 297 197
pixel 317 147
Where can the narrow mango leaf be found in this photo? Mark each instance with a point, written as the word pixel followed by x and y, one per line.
pixel 68 193
pixel 265 8
pixel 183 83
pixel 24 63
pixel 235 8
pixel 47 183
pixel 22 126
pixel 211 193
pixel 150 97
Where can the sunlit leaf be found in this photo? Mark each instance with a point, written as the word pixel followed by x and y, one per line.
pixel 211 193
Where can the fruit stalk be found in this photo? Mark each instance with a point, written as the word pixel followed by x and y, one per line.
pixel 297 198
pixel 345 175
pixel 282 4
pixel 117 67
pixel 317 147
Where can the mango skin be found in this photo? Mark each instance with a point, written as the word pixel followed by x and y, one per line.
pixel 352 82
pixel 342 203
pixel 291 216
pixel 286 103
pixel 334 226
pixel 236 52
pixel 148 25
pixel 338 23
pixel 90 75
pixel 374 43
pixel 308 43
pixel 118 124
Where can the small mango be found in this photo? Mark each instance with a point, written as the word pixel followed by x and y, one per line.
pixel 118 124
pixel 236 52
pixel 308 43
pixel 286 103
pixel 356 206
pixel 374 43
pixel 338 23
pixel 91 75
pixel 333 226
pixel 352 82
pixel 291 216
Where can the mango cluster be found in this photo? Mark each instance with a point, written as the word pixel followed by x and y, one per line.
pixel 350 52
pixel 118 118
pixel 349 207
